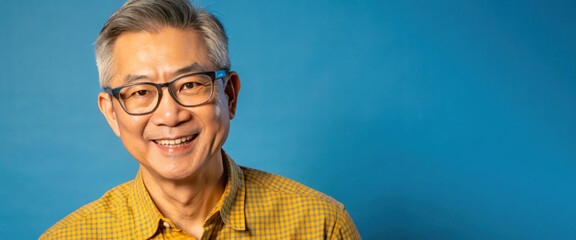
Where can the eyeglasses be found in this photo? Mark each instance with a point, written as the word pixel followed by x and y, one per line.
pixel 188 90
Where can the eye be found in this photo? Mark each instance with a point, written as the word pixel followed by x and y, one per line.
pixel 141 92
pixel 189 85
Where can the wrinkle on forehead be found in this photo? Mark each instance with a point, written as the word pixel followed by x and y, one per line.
pixel 192 68
pixel 163 54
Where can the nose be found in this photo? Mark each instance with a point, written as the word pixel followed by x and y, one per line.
pixel 169 112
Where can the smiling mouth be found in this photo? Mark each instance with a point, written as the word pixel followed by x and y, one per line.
pixel 175 142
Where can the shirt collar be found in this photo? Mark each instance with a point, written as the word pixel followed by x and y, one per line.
pixel 231 204
pixel 146 217
pixel 230 207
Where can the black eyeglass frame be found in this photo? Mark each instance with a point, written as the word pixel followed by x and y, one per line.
pixel 214 75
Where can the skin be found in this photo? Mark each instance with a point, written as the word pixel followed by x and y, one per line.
pixel 184 182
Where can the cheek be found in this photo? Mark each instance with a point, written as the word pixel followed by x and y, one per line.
pixel 218 110
pixel 131 127
pixel 221 121
pixel 221 108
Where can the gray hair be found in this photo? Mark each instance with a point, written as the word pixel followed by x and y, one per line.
pixel 150 16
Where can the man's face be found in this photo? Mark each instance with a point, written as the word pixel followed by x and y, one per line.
pixel 160 57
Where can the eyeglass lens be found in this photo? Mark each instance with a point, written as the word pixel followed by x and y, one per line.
pixel 189 91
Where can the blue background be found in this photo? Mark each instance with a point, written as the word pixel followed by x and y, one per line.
pixel 427 119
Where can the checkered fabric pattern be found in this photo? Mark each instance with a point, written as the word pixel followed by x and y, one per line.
pixel 254 205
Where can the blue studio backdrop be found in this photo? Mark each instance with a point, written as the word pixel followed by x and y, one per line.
pixel 428 119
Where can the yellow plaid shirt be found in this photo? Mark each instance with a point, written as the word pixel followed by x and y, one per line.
pixel 254 205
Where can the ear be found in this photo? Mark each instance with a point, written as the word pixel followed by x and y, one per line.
pixel 232 88
pixel 106 107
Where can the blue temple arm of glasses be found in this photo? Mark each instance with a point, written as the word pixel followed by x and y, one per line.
pixel 220 74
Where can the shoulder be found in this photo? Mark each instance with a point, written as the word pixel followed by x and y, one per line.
pixel 277 201
pixel 85 220
pixel 277 186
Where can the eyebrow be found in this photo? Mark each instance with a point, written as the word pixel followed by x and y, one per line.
pixel 194 67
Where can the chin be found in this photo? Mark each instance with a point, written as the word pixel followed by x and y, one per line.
pixel 172 169
pixel 176 175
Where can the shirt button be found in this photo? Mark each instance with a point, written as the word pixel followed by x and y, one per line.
pixel 166 224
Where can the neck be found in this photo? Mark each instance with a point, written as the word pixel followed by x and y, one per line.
pixel 187 203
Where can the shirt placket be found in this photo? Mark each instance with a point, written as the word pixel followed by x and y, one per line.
pixel 171 232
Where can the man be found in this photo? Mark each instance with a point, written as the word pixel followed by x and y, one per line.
pixel 169 95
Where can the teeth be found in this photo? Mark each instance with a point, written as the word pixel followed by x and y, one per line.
pixel 174 142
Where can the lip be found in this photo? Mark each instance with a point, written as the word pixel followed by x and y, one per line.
pixel 163 144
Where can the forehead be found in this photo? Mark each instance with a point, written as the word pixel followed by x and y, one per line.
pixel 158 54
